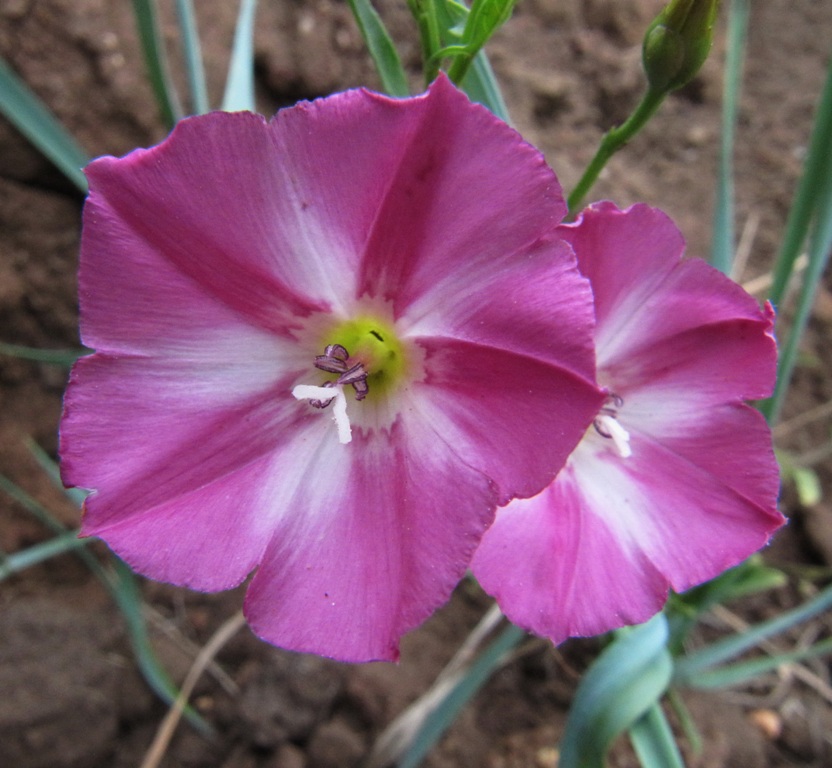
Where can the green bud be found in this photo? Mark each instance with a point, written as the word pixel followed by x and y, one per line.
pixel 677 43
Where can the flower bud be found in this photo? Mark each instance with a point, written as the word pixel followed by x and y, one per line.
pixel 677 43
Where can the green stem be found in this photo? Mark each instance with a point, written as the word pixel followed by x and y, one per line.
pixel 612 141
pixel 460 66
pixel 424 11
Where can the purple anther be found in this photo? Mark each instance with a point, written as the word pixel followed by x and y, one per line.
pixel 322 403
pixel 336 359
pixel 361 388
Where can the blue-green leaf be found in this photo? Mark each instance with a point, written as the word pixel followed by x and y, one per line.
pixel 64 357
pixel 690 668
pixel 653 740
pixel 193 57
pixel 381 48
pixel 623 683
pixel 156 61
pixel 28 113
pixel 239 87
pixel 722 248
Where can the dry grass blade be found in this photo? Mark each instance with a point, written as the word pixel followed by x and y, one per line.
pixel 403 729
pixel 806 418
pixel 760 285
pixel 206 656
pixel 749 233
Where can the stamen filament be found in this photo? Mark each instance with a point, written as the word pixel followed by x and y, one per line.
pixel 621 437
pixel 324 395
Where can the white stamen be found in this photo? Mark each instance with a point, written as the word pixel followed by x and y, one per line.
pixel 619 435
pixel 339 407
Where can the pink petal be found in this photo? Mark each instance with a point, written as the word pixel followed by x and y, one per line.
pixel 155 226
pixel 600 548
pixel 556 569
pixel 145 432
pixel 536 412
pixel 371 547
pixel 443 225
pixel 539 307
pixel 654 311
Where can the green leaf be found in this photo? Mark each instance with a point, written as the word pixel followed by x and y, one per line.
pixel 653 740
pixel 21 107
pixel 484 19
pixel 119 581
pixel 480 83
pixel 692 667
pixel 743 672
pixel 812 181
pixel 441 718
pixel 623 683
pixel 381 48
pixel 820 250
pixel 239 87
pixel 193 57
pixel 38 553
pixel 722 246
pixel 64 357
pixel 156 61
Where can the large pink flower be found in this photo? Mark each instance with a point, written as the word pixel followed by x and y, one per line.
pixel 676 479
pixel 395 260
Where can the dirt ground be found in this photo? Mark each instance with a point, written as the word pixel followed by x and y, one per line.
pixel 71 694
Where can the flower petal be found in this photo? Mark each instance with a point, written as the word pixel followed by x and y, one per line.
pixel 443 225
pixel 558 570
pixel 604 543
pixel 655 312
pixel 536 412
pixel 374 538
pixel 540 307
pixel 141 432
pixel 155 226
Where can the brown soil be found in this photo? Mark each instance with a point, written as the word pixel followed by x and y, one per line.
pixel 72 697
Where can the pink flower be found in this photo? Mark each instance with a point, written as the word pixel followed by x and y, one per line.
pixel 394 260
pixel 676 480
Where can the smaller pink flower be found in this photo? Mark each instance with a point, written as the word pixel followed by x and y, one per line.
pixel 676 479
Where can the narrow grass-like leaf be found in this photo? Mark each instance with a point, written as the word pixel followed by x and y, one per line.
pixel 722 245
pixel 814 173
pixel 686 721
pixel 32 506
pixel 653 740
pixel 122 585
pixel 381 48
pixel 64 357
pixel 37 553
pixel 441 718
pixel 239 87
pixel 747 578
pixel 192 52
pixel 482 87
pixel 743 672
pixel 690 667
pixel 820 249
pixel 21 107
pixel 623 683
pixel 156 61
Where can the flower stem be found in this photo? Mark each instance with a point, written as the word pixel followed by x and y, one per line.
pixel 612 141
